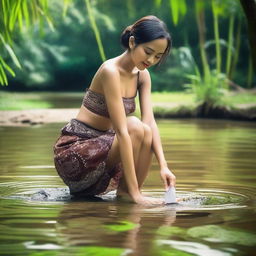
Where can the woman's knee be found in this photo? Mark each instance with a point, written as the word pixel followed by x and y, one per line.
pixel 135 128
pixel 148 135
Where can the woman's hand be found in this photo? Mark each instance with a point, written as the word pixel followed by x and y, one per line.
pixel 168 178
pixel 147 200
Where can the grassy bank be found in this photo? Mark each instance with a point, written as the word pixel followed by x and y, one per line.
pixel 46 100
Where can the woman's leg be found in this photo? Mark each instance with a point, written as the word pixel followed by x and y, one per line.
pixel 145 156
pixel 141 137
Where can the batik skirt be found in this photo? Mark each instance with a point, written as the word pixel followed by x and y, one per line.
pixel 80 155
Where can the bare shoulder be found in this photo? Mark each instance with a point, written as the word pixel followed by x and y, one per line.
pixel 145 78
pixel 108 69
pixel 106 74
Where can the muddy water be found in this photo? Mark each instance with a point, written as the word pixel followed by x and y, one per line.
pixel 214 162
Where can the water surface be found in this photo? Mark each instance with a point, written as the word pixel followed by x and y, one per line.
pixel 213 160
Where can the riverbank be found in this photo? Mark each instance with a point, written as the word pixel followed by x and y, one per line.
pixel 32 108
pixel 246 112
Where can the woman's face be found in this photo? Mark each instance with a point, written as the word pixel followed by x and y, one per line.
pixel 147 54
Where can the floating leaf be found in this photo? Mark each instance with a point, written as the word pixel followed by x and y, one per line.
pixel 169 231
pixel 100 251
pixel 122 226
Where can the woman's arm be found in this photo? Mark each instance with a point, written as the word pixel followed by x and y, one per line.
pixel 112 93
pixel 147 117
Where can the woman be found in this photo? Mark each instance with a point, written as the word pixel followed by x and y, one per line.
pixel 103 148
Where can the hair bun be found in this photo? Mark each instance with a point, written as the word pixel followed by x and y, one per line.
pixel 125 36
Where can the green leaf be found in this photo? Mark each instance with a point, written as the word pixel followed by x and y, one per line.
pixel 174 4
pixel 26 13
pixel 8 68
pixel 3 77
pixel 183 7
pixel 65 7
pixel 121 226
pixel 95 29
pixel 100 251
pixel 5 13
pixel 11 52
pixel 167 231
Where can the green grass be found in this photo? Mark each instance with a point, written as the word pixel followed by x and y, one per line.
pixel 41 100
pixel 20 101
pixel 175 97
pixel 240 98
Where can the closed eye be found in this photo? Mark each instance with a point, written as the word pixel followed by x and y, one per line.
pixel 148 53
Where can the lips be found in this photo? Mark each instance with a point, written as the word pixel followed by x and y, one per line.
pixel 145 64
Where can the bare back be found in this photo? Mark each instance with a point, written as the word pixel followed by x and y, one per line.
pixel 128 88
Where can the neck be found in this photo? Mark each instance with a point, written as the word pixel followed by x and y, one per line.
pixel 126 63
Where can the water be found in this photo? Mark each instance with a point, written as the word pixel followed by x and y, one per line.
pixel 213 160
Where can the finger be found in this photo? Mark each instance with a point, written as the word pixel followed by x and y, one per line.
pixel 169 181
pixel 165 184
pixel 173 182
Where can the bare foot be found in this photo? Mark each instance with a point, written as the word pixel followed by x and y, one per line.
pixel 144 200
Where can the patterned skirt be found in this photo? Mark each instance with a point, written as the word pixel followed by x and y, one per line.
pixel 80 155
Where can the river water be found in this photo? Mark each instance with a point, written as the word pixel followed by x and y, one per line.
pixel 214 162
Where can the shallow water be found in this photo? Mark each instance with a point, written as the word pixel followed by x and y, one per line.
pixel 214 162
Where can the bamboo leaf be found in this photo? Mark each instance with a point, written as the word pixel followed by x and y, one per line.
pixel 95 29
pixel 1 79
pixel 5 12
pixel 11 52
pixel 20 19
pixel 183 7
pixel 26 13
pixel 174 4
pixel 50 23
pixel 12 16
pixel 65 7
pixel 6 66
pixel 15 14
pixel 3 76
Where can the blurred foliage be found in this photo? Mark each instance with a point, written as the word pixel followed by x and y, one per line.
pixel 68 58
pixel 24 14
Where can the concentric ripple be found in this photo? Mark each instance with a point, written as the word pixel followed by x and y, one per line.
pixel 187 200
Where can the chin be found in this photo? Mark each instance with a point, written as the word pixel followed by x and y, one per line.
pixel 141 66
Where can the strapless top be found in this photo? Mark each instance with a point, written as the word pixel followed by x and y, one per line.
pixel 96 102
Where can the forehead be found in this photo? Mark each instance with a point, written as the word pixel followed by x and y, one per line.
pixel 158 45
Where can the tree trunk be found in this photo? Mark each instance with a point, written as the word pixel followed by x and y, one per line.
pixel 201 33
pixel 249 7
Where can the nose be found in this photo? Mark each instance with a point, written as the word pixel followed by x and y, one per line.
pixel 150 60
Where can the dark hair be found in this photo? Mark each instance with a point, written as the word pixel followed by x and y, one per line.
pixel 147 29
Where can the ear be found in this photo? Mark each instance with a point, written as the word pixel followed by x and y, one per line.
pixel 131 42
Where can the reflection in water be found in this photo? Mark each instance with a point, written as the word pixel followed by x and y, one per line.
pixel 214 162
pixel 86 224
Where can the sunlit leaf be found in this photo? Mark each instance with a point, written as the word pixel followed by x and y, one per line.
pixel 3 79
pixel 26 13
pixel 95 29
pixel 183 7
pixel 11 52
pixel 7 67
pixel 174 4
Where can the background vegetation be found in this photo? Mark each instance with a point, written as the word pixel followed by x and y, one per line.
pixel 58 45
